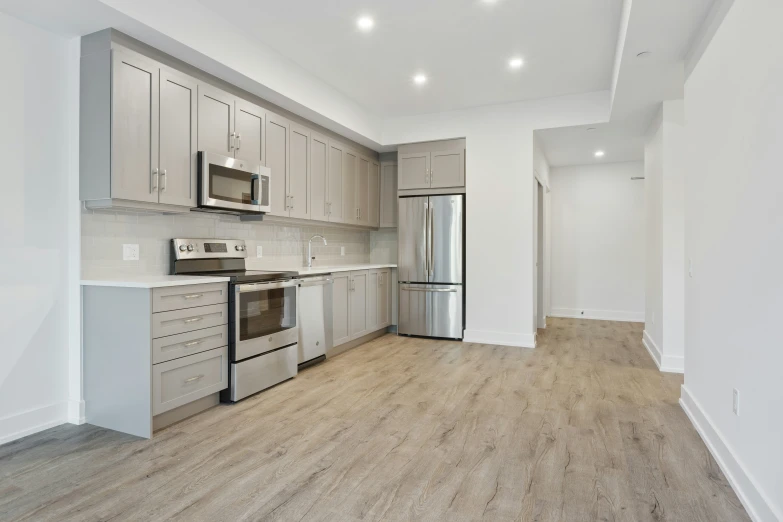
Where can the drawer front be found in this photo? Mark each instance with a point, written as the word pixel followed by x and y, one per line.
pixel 188 320
pixel 259 373
pixel 178 382
pixel 181 345
pixel 179 297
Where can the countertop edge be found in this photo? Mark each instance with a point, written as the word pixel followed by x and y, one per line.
pixel 141 283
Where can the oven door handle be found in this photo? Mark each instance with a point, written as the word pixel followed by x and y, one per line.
pixel 260 287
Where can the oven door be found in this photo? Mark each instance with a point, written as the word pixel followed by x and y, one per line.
pixel 264 318
pixel 232 184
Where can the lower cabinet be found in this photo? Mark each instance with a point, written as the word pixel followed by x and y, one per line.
pixel 362 303
pixel 153 356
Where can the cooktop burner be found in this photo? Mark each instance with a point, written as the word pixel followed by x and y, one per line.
pixel 219 257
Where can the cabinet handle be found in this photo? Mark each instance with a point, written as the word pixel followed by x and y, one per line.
pixel 193 296
pixel 193 319
pixel 154 180
pixel 163 179
pixel 239 141
pixel 231 140
pixel 292 202
pixel 191 343
pixel 194 378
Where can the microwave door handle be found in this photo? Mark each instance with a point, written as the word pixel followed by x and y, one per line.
pixel 255 186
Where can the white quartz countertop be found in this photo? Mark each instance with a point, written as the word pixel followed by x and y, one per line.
pixel 151 281
pixel 302 271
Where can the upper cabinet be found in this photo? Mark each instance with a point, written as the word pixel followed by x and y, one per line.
pixel 299 172
pixel 374 208
pixel 137 133
pixel 436 165
pixel 388 217
pixel 319 177
pixel 249 132
pixel 277 146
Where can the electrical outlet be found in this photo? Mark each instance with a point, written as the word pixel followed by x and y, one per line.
pixel 259 251
pixel 342 251
pixel 735 402
pixel 130 252
pixel 690 268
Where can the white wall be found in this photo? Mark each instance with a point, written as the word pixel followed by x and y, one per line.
pixel 541 172
pixel 734 236
pixel 37 117
pixel 598 241
pixel 500 202
pixel 653 192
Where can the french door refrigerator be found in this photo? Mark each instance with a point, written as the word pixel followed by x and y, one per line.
pixel 430 266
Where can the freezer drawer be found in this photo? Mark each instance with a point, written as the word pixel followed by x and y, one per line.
pixel 259 373
pixel 430 310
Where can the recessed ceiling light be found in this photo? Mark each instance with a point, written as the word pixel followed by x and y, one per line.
pixel 516 63
pixel 420 79
pixel 599 154
pixel 365 23
pixel 644 54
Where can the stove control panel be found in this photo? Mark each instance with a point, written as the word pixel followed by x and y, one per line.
pixel 209 248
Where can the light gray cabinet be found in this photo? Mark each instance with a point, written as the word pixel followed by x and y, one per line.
pixel 362 191
pixel 374 207
pixel 277 155
pixel 249 132
pixel 335 205
pixel 153 356
pixel 385 290
pixel 341 297
pixel 438 165
pixel 373 288
pixel 358 316
pixel 215 120
pixel 319 177
pixel 388 197
pixel 298 180
pixel 350 211
pixel 137 133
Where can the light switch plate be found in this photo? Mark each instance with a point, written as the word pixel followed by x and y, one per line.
pixel 259 251
pixel 342 251
pixel 130 252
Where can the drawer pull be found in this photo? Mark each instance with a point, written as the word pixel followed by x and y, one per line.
pixel 193 379
pixel 194 296
pixel 193 319
pixel 191 343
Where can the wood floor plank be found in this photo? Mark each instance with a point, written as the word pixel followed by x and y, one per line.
pixel 582 428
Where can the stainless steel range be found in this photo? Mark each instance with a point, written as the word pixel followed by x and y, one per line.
pixel 263 332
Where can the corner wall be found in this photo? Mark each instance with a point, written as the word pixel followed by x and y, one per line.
pixel 35 226
pixel 734 237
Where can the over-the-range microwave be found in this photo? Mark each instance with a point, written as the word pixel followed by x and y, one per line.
pixel 232 186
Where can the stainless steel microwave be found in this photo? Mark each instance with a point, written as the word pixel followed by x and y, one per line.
pixel 232 186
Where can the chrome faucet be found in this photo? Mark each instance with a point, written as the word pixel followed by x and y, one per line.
pixel 310 249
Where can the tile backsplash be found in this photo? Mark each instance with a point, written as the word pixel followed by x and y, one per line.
pixel 283 245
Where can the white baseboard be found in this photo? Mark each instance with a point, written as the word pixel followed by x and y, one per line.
pixel 756 503
pixel 76 412
pixel 601 315
pixel 665 363
pixel 32 421
pixel 500 338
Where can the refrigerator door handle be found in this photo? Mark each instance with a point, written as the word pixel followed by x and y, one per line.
pixel 427 237
pixel 432 252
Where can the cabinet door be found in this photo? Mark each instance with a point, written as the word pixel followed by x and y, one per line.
pixel 340 302
pixel 277 160
pixel 178 106
pixel 363 191
pixel 215 120
pixel 388 195
pixel 384 298
pixel 350 211
pixel 299 173
pixel 134 144
pixel 319 162
pixel 358 304
pixel 335 207
pixel 374 208
pixel 447 169
pixel 414 170
pixel 249 125
pixel 373 289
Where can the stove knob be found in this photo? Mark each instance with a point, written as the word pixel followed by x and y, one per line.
pixel 182 248
pixel 243 248
pixel 237 248
pixel 190 248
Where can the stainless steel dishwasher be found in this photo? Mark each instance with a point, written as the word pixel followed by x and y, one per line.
pixel 315 318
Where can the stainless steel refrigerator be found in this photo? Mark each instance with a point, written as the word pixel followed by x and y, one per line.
pixel 430 266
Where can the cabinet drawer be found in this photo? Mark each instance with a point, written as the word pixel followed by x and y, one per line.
pixel 180 345
pixel 188 320
pixel 178 297
pixel 178 382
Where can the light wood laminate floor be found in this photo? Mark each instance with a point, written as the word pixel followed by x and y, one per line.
pixel 584 427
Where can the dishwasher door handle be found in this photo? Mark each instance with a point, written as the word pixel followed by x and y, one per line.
pixel 317 282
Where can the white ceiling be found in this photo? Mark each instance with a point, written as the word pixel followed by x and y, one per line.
pixel 462 45
pixel 576 145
